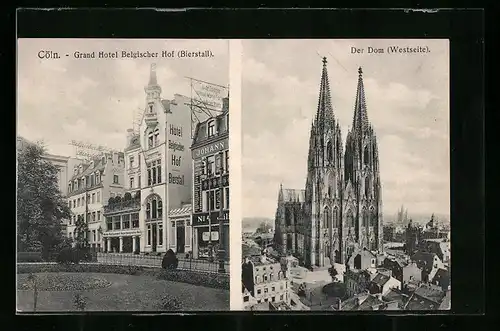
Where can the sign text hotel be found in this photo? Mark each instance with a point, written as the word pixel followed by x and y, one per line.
pixel 215 147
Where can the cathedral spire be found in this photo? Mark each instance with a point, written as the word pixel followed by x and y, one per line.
pixel 360 121
pixel 324 112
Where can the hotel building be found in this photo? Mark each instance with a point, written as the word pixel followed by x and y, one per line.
pixel 91 185
pixel 158 176
pixel 210 153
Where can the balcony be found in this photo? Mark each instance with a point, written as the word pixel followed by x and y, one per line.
pixel 122 206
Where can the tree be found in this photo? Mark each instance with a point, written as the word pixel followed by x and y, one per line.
pixel 333 273
pixel 40 205
pixel 81 228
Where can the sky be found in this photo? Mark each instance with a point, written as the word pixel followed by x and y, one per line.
pixel 407 98
pixel 96 100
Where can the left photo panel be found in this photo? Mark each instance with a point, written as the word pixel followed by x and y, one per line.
pixel 122 175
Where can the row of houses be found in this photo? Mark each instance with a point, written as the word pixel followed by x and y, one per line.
pixel 168 188
pixel 389 282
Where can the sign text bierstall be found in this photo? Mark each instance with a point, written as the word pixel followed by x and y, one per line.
pixel 214 147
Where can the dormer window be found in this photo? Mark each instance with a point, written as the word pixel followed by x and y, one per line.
pixel 150 140
pixel 92 165
pixel 156 137
pixel 211 128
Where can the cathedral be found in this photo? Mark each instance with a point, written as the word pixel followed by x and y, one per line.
pixel 340 209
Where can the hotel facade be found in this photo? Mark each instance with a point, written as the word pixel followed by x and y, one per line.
pixel 158 176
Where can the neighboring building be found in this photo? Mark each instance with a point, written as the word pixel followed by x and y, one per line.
pixel 429 263
pixel 395 295
pixel 382 283
pixel 91 186
pixel 165 164
pixel 426 297
pixel 412 238
pixel 366 301
pixel 122 232
pixel 341 205
pixel 210 154
pixel 362 259
pixel 402 270
pixel 264 281
pixel 181 236
pixel 356 281
pixel 64 164
pixel 442 279
pixel 440 247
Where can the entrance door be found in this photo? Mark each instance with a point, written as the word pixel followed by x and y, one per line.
pixel 181 239
pixel 154 237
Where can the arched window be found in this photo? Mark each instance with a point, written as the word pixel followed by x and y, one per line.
pixel 154 207
pixel 156 137
pixel 211 128
pixel 336 217
pixel 326 218
pixel 350 218
pixel 365 217
pixel 373 217
pixel 329 152
pixel 366 158
pixel 150 139
pixel 367 186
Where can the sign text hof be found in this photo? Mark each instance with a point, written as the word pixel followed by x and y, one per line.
pixel 174 146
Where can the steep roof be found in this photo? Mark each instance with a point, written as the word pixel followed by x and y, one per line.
pixel 396 295
pixel 430 292
pixel 417 302
pixel 424 260
pixel 370 302
pixel 87 170
pixel 381 279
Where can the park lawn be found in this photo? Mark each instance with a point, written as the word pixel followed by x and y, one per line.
pixel 125 293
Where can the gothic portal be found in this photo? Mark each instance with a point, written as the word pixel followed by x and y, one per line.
pixel 341 206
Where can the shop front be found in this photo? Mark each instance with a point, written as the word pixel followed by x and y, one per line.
pixel 127 241
pixel 207 238
pixel 181 237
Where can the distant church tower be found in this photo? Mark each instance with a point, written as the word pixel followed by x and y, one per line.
pixel 363 192
pixel 323 194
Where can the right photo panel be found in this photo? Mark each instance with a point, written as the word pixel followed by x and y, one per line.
pixel 345 175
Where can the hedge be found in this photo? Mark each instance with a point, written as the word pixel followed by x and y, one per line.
pixel 29 257
pixel 182 276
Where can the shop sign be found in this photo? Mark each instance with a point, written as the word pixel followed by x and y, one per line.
pixel 211 149
pixel 214 235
